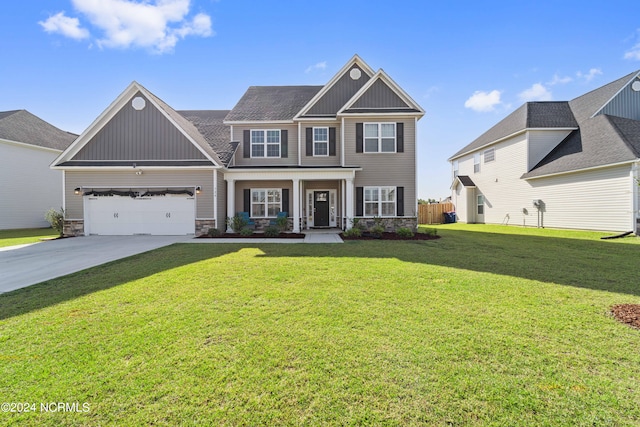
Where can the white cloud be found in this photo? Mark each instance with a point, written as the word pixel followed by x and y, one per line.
pixel 634 52
pixel 590 75
pixel 557 80
pixel 319 66
pixel 62 24
pixel 156 25
pixel 537 92
pixel 483 101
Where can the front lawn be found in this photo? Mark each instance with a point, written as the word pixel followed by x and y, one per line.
pixel 25 235
pixel 476 328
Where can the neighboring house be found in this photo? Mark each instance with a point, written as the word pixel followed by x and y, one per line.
pixel 29 187
pixel 557 164
pixel 323 154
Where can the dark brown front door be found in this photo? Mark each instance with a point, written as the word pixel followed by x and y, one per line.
pixel 321 207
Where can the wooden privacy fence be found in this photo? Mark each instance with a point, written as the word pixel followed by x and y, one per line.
pixel 433 213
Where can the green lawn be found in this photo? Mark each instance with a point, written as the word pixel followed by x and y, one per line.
pixel 485 326
pixel 25 235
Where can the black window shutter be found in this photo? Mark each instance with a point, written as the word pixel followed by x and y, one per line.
pixel 309 133
pixel 247 200
pixel 359 201
pixel 332 141
pixel 284 143
pixel 359 137
pixel 400 201
pixel 246 146
pixel 400 137
pixel 285 201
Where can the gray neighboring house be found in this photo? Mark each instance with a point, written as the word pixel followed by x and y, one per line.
pixel 557 164
pixel 29 187
pixel 323 154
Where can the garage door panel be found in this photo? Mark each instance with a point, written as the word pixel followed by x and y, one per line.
pixel 159 215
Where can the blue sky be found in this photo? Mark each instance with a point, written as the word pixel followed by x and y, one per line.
pixel 468 64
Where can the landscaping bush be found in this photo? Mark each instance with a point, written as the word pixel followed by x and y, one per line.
pixel 281 223
pixel 272 231
pixel 237 223
pixel 214 232
pixel 404 232
pixel 56 219
pixel 430 231
pixel 353 232
pixel 377 230
pixel 246 232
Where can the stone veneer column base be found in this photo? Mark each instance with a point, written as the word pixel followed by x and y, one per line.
pixel 73 227
pixel 204 225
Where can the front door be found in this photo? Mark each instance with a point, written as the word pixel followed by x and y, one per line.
pixel 321 208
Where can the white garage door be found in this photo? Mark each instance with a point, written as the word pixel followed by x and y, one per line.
pixel 168 215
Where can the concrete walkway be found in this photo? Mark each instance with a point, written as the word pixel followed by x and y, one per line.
pixel 22 266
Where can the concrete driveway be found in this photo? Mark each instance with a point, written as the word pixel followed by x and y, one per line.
pixel 28 265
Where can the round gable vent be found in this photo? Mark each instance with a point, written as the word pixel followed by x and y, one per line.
pixel 138 103
pixel 636 86
pixel 355 73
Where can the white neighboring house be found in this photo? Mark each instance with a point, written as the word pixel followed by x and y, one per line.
pixel 29 187
pixel 557 164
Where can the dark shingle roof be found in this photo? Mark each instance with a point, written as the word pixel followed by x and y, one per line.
pixel 466 180
pixel 22 126
pixel 529 115
pixel 210 124
pixel 267 103
pixel 585 106
pixel 600 141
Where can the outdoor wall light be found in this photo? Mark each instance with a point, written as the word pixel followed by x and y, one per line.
pixel 198 189
pixel 139 172
pixel 76 191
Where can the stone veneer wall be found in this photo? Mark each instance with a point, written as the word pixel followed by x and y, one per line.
pixel 391 224
pixel 73 227
pixel 204 225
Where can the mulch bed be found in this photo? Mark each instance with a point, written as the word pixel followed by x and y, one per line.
pixel 253 236
pixel 627 313
pixel 391 236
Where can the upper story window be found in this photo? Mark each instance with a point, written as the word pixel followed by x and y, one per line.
pixel 455 168
pixel 379 137
pixel 489 155
pixel 380 201
pixel 321 141
pixel 476 163
pixel 265 143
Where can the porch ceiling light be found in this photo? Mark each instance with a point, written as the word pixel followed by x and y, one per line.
pixel 76 191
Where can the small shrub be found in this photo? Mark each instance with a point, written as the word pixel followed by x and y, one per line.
pixel 272 231
pixel 430 231
pixel 281 223
pixel 246 232
pixel 213 232
pixel 237 223
pixel 377 230
pixel 353 232
pixel 404 232
pixel 56 219
pixel 356 223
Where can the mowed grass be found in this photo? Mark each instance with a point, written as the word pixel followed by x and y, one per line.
pixel 25 235
pixel 481 327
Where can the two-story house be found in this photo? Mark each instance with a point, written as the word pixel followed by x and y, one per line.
pixel 557 164
pixel 323 154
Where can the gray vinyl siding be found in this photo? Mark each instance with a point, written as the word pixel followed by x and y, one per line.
pixel 625 104
pixel 242 185
pixel 541 142
pixel 385 169
pixel 139 135
pixel 319 160
pixel 29 188
pixel 338 95
pixel 290 160
pixel 222 201
pixel 379 95
pixel 149 178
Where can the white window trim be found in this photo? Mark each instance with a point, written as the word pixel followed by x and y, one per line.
pixel 492 157
pixel 266 202
pixel 456 168
pixel 476 163
pixel 478 204
pixel 364 137
pixel 265 144
pixel 380 202
pixel 314 141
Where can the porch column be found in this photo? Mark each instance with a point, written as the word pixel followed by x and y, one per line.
pixel 349 202
pixel 296 205
pixel 231 201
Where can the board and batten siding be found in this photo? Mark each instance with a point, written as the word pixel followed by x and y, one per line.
pixel 29 188
pixel 292 147
pixel 385 169
pixel 541 142
pixel 128 179
pixel 319 160
pixel 339 94
pixel 139 135
pixel 599 199
pixel 625 104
